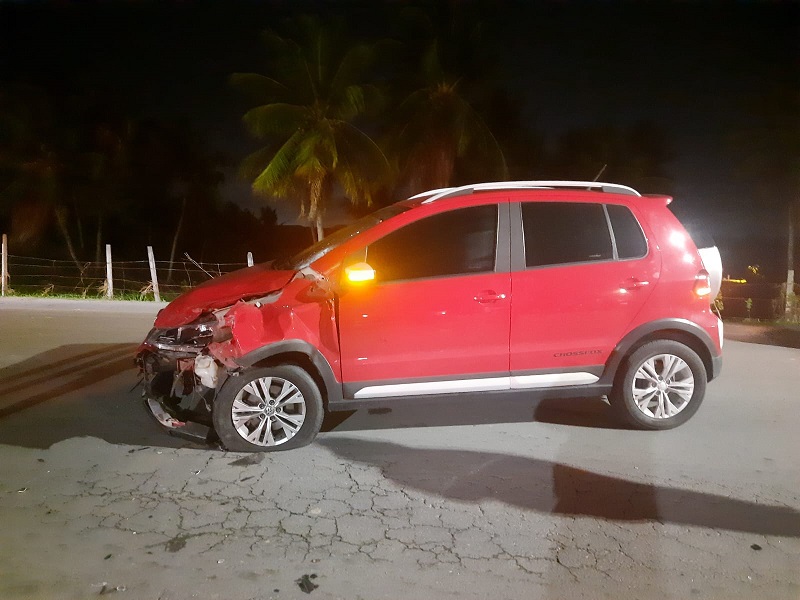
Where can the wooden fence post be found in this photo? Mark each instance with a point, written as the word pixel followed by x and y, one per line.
pixel 109 278
pixel 4 271
pixel 153 275
pixel 249 259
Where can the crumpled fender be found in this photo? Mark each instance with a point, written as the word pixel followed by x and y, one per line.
pixel 291 317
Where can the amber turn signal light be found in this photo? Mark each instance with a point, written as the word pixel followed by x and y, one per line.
pixel 359 273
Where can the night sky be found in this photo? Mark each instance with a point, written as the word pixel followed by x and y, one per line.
pixel 699 71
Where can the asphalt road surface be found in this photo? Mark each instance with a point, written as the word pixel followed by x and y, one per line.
pixel 467 499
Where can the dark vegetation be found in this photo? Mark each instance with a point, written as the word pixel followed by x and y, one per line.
pixel 121 122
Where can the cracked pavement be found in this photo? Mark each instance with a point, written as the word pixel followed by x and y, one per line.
pixel 460 500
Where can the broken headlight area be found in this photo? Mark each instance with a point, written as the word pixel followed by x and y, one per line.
pixel 180 378
pixel 190 338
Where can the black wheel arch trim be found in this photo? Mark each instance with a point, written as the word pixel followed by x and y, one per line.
pixel 683 331
pixel 332 388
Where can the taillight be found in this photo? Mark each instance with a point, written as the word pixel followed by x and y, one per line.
pixel 702 284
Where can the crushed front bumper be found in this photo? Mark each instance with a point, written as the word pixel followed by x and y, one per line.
pixel 186 429
pixel 174 393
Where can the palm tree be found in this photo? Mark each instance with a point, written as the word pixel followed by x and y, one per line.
pixel 45 160
pixel 438 128
pixel 308 114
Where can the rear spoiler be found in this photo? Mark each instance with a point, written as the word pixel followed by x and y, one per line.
pixel 667 199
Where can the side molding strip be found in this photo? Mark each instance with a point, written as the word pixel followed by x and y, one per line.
pixel 487 384
pixel 523 382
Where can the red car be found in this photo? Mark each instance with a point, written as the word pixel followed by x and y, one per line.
pixel 540 288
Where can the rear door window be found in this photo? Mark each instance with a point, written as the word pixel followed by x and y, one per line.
pixel 561 233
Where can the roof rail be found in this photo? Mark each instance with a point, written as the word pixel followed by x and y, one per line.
pixel 613 188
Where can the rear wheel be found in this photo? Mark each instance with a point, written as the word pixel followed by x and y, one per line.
pixel 660 385
pixel 268 409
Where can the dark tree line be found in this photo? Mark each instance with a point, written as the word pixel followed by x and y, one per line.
pixel 338 116
pixel 74 176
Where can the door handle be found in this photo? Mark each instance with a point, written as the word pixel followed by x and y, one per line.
pixel 632 283
pixel 488 296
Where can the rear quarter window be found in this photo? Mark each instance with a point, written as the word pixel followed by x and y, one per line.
pixel 628 236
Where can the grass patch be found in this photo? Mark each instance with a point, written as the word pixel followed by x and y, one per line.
pixel 121 296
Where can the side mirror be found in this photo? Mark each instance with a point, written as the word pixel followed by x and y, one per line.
pixel 359 273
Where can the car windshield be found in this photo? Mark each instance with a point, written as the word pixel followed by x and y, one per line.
pixel 322 247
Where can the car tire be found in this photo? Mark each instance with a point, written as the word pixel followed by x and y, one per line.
pixel 268 409
pixel 659 386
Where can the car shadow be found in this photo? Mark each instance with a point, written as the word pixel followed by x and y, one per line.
pixel 78 390
pixel 474 409
pixel 554 488
pixel 578 412
pixel 91 390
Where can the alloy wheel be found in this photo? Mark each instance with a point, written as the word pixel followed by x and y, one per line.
pixel 663 386
pixel 268 411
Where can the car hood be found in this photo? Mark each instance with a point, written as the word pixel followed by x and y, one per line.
pixel 221 292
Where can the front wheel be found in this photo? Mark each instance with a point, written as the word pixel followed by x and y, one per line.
pixel 268 409
pixel 660 386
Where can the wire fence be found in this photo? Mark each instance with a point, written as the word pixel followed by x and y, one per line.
pixel 157 280
pixel 138 279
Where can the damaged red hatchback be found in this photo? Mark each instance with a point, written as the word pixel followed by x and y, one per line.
pixel 545 289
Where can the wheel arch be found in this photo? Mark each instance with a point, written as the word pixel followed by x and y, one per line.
pixel 678 330
pixel 303 355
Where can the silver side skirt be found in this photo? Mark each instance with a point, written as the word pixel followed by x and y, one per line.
pixel 486 384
